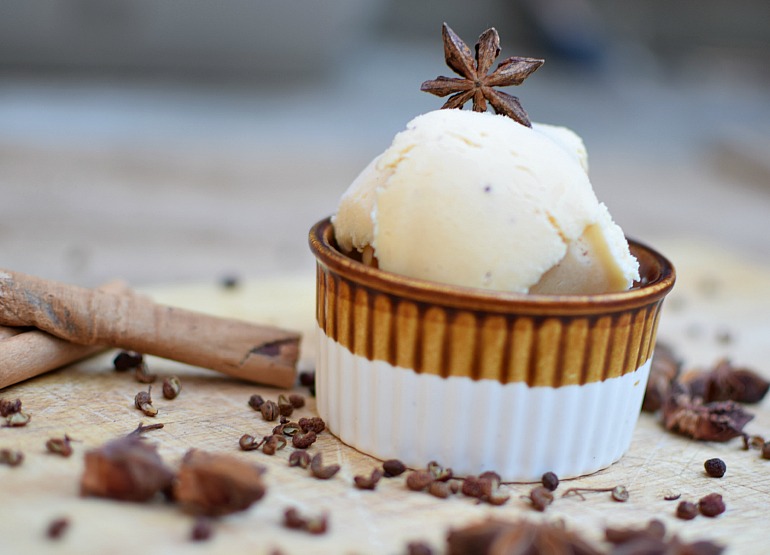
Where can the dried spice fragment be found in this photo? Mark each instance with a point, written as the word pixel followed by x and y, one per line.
pixel 664 370
pixel 439 472
pixel 300 459
pixel 540 497
pixel 550 481
pixel 143 402
pixel 687 510
pixel 171 387
pixel 717 421
pixel 618 493
pixel 715 468
pixel 285 407
pixel 393 468
pixel 143 375
pixel 293 520
pixel 497 537
pixel 59 446
pixel 127 360
pixel 652 540
pixel 202 529
pixel 297 401
pixel 10 457
pixel 256 401
pixel 274 443
pixel 726 382
pixel 57 528
pixel 303 440
pixel 711 505
pixel 141 428
pixel 250 443
pixel 315 424
pixel 269 410
pixel 320 471
pixel 418 480
pixel 8 407
pixel 215 484
pixel 126 469
pixel 475 83
pixel 17 419
pixel 368 482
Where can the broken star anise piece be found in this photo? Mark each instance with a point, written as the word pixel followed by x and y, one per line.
pixel 476 84
pixel 717 421
pixel 726 382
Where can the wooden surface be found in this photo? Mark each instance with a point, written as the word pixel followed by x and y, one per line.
pixel 720 307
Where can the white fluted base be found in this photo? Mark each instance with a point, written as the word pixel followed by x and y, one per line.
pixel 471 426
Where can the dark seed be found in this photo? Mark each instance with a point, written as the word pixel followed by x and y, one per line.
pixel 715 468
pixel 256 401
pixel 393 467
pixel 711 505
pixel 297 401
pixel 550 481
pixel 686 510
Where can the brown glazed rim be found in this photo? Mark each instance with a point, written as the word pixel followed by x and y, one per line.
pixel 657 272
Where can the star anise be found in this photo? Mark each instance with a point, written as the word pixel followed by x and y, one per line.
pixel 476 84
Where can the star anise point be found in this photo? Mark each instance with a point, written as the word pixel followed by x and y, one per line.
pixel 475 82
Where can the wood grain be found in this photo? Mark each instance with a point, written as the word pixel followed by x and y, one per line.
pixel 718 308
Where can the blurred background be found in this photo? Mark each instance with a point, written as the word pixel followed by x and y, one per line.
pixel 166 141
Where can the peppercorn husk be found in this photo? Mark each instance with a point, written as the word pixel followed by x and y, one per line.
pixel 497 537
pixel 716 421
pixel 215 484
pixel 126 469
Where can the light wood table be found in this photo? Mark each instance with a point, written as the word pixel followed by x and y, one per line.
pixel 717 296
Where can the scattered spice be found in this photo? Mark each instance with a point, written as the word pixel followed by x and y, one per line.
pixel 285 408
pixel 664 370
pixel 202 529
pixel 315 424
pixel 550 481
pixel 293 520
pixel 753 442
pixel 320 471
pixel 171 387
pixel 297 401
pixel 498 537
pixel 672 497
pixel 368 482
pixel 485 487
pixel 126 469
pixel 11 458
pixel 438 472
pixel 766 450
pixel 300 459
pixel 288 429
pixel 215 484
pixel 711 505
pixel 303 440
pixel 442 490
pixel 250 443
pixel 726 382
pixel 716 421
pixel 475 84
pixel 618 493
pixel 687 510
pixel 418 480
pixel 269 410
pixel 540 497
pixel 8 407
pixel 274 443
pixel 57 528
pixel 393 468
pixel 59 446
pixel 652 539
pixel 715 468
pixel 143 402
pixel 256 401
pixel 307 378
pixel 17 419
pixel 141 428
pixel 127 360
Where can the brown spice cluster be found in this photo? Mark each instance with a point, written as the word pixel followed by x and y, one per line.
pixel 702 404
pixel 11 411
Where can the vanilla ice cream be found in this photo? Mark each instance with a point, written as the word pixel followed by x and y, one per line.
pixel 479 200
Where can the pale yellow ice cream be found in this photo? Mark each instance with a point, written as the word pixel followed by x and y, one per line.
pixel 479 200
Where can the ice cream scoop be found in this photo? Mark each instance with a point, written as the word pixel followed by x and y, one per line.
pixel 479 200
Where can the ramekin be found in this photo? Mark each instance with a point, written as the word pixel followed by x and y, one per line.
pixel 482 380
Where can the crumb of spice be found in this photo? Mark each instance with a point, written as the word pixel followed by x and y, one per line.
pixel 320 471
pixel 711 505
pixel 126 469
pixel 59 446
pixel 214 484
pixel 11 458
pixel 293 520
pixel 540 497
pixel 297 401
pixel 57 528
pixel 8 407
pixel 368 482
pixel 202 529
pixel 171 387
pixel 143 402
pixel 715 468
pixel 686 510
pixel 127 360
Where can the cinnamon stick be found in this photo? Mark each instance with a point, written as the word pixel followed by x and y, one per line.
pixel 26 353
pixel 253 352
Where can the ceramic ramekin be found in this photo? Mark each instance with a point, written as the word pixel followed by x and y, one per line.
pixel 482 380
